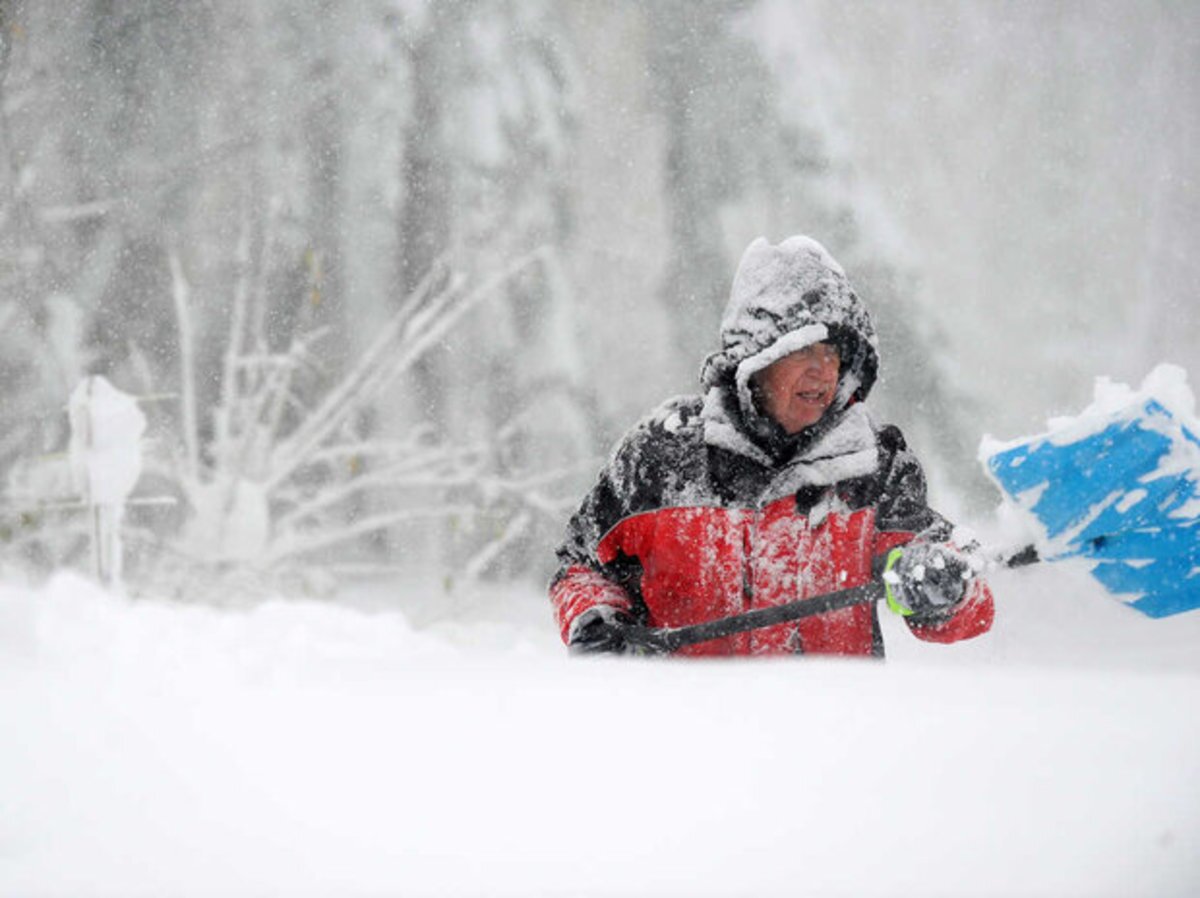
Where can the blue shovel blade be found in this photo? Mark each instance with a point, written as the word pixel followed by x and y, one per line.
pixel 1155 571
pixel 1119 494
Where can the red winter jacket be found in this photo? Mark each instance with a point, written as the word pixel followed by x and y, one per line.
pixel 679 532
pixel 709 509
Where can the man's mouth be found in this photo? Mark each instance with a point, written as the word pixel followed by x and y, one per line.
pixel 813 395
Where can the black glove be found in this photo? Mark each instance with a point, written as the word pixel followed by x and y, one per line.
pixel 926 578
pixel 600 630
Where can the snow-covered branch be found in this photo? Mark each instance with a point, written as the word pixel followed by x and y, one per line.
pixel 287 473
pixel 306 544
pixel 187 363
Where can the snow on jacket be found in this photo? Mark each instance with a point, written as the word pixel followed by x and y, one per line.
pixel 708 508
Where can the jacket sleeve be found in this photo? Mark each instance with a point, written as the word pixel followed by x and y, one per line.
pixel 581 581
pixel 902 516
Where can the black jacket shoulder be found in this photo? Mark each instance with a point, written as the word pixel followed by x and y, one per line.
pixel 658 463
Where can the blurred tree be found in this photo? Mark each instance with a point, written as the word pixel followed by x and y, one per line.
pixel 305 161
pixel 706 84
pixel 483 182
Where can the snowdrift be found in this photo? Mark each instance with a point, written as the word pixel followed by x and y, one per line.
pixel 307 749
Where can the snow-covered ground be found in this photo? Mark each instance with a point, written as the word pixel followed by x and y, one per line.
pixel 454 749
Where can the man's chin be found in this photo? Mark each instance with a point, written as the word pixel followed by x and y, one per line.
pixel 800 421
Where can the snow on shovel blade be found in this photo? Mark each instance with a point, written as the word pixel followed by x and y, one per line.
pixel 1118 485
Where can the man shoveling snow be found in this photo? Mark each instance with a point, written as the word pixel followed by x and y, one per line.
pixel 775 486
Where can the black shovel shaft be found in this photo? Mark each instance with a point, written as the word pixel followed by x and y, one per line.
pixel 664 640
pixel 669 639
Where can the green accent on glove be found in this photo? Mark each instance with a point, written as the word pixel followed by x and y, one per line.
pixel 892 558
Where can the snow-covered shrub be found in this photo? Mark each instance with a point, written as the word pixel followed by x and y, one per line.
pixel 287 480
pixel 40 523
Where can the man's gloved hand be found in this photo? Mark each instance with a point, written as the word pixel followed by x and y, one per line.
pixel 599 629
pixel 926 577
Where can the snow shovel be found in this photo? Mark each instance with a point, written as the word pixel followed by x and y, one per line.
pixel 1119 486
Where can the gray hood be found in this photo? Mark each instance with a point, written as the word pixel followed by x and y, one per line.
pixel 784 298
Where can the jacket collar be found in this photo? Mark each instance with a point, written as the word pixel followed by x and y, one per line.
pixel 844 449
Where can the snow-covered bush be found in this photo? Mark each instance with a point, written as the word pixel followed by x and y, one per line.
pixel 287 478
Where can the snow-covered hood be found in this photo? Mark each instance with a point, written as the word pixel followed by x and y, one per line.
pixel 784 298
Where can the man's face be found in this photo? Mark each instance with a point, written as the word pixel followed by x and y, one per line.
pixel 798 388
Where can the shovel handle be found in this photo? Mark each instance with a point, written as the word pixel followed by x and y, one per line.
pixel 665 640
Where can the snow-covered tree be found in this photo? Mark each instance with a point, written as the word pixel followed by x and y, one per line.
pixel 483 161
pixel 307 162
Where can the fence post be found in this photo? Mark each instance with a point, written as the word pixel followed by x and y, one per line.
pixel 106 461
